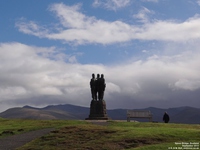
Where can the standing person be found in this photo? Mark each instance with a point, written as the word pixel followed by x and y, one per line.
pixel 166 117
pixel 102 87
pixel 92 86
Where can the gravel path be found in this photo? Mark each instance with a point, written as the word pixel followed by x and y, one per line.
pixel 16 141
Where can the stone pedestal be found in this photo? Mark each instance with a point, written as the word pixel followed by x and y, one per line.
pixel 98 110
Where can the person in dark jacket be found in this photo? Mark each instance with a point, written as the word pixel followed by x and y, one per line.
pixel 166 117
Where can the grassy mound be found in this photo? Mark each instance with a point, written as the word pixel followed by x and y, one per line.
pixel 81 135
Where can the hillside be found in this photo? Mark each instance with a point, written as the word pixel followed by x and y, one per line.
pixel 36 113
pixel 109 135
pixel 188 115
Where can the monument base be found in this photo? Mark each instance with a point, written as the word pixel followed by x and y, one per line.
pixel 98 110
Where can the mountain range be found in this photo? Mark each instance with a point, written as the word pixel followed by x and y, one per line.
pixel 187 115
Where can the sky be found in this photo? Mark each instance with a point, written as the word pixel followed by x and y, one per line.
pixel 148 51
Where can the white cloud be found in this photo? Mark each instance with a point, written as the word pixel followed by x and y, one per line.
pixel 111 4
pixel 80 29
pixel 30 76
pixel 171 30
pixel 143 15
pixel 29 71
pixel 198 2
pixel 187 84
pixel 31 28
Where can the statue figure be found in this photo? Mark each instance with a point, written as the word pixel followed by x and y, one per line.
pixel 102 86
pixel 97 86
pixel 92 86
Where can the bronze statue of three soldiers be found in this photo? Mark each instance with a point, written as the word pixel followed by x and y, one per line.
pixel 98 104
pixel 97 86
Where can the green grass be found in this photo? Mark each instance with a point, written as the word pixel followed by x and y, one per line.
pixel 151 136
pixel 81 135
pixel 17 126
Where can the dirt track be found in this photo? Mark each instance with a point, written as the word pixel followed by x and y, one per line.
pixel 16 141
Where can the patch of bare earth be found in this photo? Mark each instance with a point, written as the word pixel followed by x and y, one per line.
pixel 132 143
pixel 74 137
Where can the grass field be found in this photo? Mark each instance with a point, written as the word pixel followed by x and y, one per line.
pixel 82 135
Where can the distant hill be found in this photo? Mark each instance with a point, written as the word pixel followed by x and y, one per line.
pixel 188 115
pixel 35 113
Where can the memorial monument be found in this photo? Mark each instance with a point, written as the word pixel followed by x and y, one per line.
pixel 98 104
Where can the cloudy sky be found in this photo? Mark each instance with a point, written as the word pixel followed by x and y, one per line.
pixel 148 51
